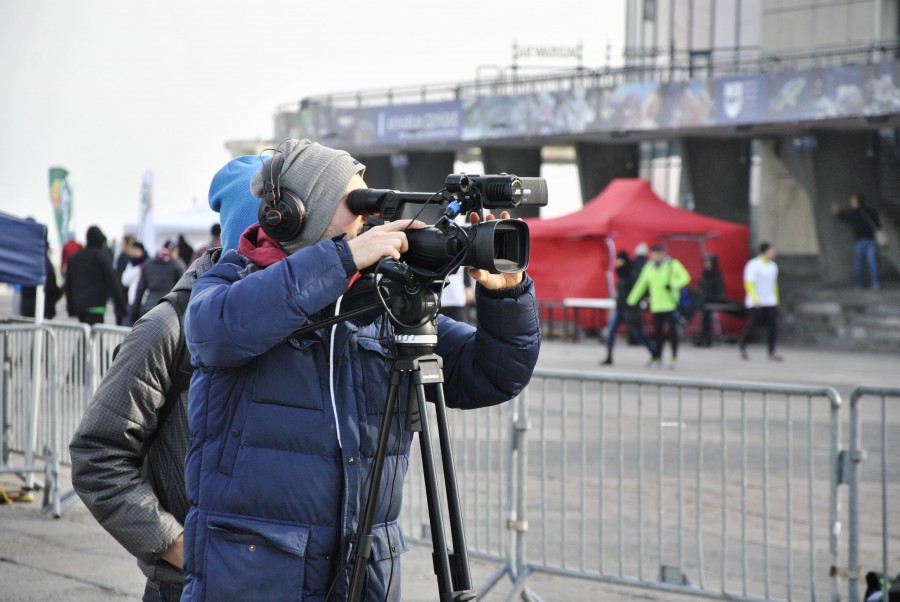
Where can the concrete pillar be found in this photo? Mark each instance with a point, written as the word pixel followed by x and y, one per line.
pixel 523 162
pixel 599 164
pixel 421 171
pixel 718 173
pixel 379 173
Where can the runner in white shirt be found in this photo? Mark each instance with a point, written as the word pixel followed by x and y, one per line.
pixel 761 284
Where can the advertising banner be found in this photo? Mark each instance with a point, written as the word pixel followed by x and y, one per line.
pixel 61 200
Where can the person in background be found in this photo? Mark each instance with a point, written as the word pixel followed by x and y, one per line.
pixel 52 292
pixel 128 452
pixel 131 277
pixel 123 258
pixel 864 223
pixel 458 295
pixel 624 313
pixel 761 284
pixel 662 277
pixel 71 247
pixel 91 280
pixel 158 277
pixel 711 290
pixel 215 241
pixel 185 251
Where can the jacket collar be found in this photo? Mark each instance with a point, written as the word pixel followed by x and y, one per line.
pixel 259 248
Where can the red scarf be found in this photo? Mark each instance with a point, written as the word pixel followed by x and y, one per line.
pixel 262 250
pixel 259 248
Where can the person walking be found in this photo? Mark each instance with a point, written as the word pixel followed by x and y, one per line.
pixel 185 250
pixel 131 277
pixel 624 313
pixel 761 284
pixel 71 247
pixel 711 290
pixel 865 223
pixel 215 241
pixel 158 277
pixel 91 280
pixel 662 277
pixel 52 292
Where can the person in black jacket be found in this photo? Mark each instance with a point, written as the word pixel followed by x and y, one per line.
pixel 712 290
pixel 159 276
pixel 52 293
pixel 864 223
pixel 630 316
pixel 91 280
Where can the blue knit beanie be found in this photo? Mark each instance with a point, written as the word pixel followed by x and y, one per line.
pixel 230 197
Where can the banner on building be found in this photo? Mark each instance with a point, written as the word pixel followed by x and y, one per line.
pixel 61 200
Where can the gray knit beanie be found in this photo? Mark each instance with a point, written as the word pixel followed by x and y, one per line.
pixel 319 176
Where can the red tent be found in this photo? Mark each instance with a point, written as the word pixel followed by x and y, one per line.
pixel 571 256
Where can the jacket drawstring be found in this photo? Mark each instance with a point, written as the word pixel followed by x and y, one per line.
pixel 337 426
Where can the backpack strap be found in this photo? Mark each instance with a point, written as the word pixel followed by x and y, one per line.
pixel 181 368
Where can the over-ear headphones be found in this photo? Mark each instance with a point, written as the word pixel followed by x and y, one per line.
pixel 281 211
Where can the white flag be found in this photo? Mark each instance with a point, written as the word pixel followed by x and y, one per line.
pixel 146 232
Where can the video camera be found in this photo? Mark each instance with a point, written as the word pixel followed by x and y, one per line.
pixel 498 246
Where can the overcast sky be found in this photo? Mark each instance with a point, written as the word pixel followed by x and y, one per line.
pixel 109 88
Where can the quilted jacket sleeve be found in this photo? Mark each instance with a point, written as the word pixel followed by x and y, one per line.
pixel 238 312
pixel 106 448
pixel 493 363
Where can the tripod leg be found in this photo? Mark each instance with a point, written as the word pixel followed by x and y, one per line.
pixel 364 530
pixel 462 578
pixel 439 543
pixel 452 569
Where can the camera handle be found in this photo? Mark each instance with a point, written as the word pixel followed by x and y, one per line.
pixel 417 362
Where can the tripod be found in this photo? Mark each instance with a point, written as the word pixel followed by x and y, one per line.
pixel 417 361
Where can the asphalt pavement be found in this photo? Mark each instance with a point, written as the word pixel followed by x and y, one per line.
pixel 73 559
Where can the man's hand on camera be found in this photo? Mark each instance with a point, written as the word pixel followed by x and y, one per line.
pixel 388 240
pixel 488 280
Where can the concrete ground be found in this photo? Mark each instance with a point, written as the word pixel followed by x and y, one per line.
pixel 73 559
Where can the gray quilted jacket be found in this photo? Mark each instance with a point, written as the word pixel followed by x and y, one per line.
pixel 129 472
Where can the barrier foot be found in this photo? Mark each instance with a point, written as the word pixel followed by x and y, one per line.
pixel 521 590
pixel 494 579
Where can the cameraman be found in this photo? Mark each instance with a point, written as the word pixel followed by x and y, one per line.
pixel 283 430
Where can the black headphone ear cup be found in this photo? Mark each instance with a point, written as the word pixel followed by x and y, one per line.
pixel 282 219
pixel 280 211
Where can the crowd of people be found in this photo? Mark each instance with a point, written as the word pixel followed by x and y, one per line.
pixel 660 284
pixel 95 276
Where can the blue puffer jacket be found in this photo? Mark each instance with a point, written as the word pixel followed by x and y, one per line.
pixel 275 495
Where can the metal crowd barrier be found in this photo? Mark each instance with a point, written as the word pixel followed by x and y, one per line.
pixel 727 490
pixel 69 375
pixel 722 489
pixel 104 341
pixel 29 410
pixel 874 486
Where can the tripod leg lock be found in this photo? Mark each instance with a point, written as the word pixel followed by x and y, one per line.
pixel 364 549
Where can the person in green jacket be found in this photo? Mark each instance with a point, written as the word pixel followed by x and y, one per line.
pixel 663 278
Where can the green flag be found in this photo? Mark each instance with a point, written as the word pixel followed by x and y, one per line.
pixel 61 199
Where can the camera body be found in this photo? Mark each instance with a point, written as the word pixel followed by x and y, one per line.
pixel 499 246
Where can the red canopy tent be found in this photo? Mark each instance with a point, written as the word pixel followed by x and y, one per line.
pixel 573 255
